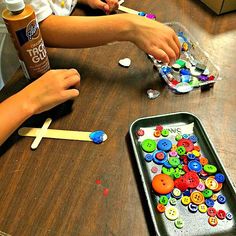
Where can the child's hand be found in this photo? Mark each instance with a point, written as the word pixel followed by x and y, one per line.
pixel 51 89
pixel 107 6
pixel 155 38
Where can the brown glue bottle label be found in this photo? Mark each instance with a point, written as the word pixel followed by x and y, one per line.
pixel 27 39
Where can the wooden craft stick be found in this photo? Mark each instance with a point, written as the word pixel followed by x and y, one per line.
pixel 40 133
pixel 57 134
pixel 121 2
pixel 128 10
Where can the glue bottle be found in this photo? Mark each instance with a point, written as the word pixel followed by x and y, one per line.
pixel 24 30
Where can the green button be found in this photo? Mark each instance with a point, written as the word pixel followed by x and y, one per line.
pixel 207 193
pixel 182 172
pixel 181 63
pixel 178 137
pixel 174 161
pixel 164 200
pixel 180 166
pixel 173 201
pixel 210 169
pixel 165 132
pixel 167 171
pixel 181 150
pixel 179 223
pixel 148 145
pixel 177 175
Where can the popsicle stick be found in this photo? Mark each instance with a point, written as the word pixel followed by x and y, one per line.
pixel 128 10
pixel 41 133
pixel 55 133
pixel 121 2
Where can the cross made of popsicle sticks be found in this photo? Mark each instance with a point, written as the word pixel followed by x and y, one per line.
pixel 44 132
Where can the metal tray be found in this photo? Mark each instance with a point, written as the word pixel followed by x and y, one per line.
pixel 195 224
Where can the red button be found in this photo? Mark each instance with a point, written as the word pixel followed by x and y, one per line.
pixel 221 214
pixel 159 127
pixel 160 156
pixel 192 179
pixel 181 184
pixel 186 143
pixel 211 211
pixel 185 168
pixel 140 132
pixel 162 184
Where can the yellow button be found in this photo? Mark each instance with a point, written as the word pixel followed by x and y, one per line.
pixel 196 153
pixel 62 3
pixel 214 197
pixel 176 192
pixel 171 213
pixel 197 198
pixel 174 147
pixel 202 208
pixel 211 183
pixel 185 200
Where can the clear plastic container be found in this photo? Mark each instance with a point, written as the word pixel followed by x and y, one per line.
pixel 194 56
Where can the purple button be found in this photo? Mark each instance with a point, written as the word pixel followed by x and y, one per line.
pixel 203 77
pixel 151 16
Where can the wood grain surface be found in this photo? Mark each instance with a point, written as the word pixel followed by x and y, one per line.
pixel 53 190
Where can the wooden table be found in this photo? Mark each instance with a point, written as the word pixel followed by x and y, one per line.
pixel 53 190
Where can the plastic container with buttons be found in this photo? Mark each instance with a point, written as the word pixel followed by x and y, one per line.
pixel 194 68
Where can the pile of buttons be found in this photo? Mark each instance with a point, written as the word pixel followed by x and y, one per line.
pixel 186 175
pixel 187 72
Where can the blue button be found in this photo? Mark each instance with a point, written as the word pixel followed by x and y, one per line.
pixel 221 199
pixel 185 78
pixel 157 161
pixel 229 216
pixel 148 157
pixel 164 144
pixel 141 13
pixel 195 166
pixel 167 164
pixel 185 136
pixel 193 138
pixel 220 178
pixel 192 207
pixel 209 202
pixel 191 156
pixel 187 193
pixel 185 72
pixel 166 69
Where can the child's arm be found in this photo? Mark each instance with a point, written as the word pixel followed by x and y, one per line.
pixel 51 89
pixel 107 6
pixel 79 32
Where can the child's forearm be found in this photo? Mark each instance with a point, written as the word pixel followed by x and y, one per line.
pixel 13 112
pixel 82 32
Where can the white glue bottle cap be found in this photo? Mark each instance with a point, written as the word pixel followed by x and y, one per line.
pixel 15 5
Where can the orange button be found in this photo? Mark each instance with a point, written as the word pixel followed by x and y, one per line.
pixel 197 148
pixel 162 184
pixel 161 208
pixel 197 198
pixel 203 161
pixel 157 133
